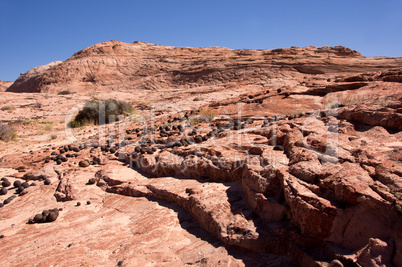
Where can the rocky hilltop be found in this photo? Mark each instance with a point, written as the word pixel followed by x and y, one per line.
pixel 279 157
pixel 121 66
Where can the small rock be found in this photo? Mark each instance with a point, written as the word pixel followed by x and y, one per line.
pixel 37 218
pixel 5 183
pixel 52 216
pixel 83 163
pixel 278 148
pixel 3 191
pixel 45 213
pixel 20 189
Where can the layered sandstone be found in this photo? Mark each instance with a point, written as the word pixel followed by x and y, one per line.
pixel 122 66
pixel 308 175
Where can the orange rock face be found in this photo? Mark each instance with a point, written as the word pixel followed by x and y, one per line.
pixel 283 157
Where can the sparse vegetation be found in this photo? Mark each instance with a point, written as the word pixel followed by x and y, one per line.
pixel 349 102
pixel 8 108
pixel 135 120
pixel 209 113
pixel 100 112
pixel 74 124
pixel 6 133
pixel 48 127
pixel 194 120
pixel 205 115
pixel 144 103
pixel 64 92
pixel 90 77
pixel 46 122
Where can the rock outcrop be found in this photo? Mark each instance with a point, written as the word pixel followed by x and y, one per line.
pixel 307 175
pixel 31 81
pixel 122 66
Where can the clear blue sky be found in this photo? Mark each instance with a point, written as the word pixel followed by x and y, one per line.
pixel 36 32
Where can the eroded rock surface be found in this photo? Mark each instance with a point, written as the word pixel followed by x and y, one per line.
pixel 308 175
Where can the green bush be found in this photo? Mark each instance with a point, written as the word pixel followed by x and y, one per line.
pixel 64 92
pixel 6 133
pixel 101 111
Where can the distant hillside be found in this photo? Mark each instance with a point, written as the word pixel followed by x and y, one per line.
pixel 115 65
pixel 4 85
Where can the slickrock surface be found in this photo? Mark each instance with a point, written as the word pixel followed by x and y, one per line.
pixel 307 175
pixel 119 66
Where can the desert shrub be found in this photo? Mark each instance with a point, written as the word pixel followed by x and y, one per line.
pixel 195 120
pixel 6 133
pixel 7 108
pixel 46 122
pixel 64 92
pixel 48 127
pixel 101 111
pixel 209 113
pixel 90 77
pixel 205 115
pixel 74 124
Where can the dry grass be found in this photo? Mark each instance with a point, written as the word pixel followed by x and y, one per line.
pixel 7 133
pixel 8 108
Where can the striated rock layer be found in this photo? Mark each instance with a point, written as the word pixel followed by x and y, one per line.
pixel 118 66
pixel 307 175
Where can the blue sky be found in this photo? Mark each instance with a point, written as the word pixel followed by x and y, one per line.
pixel 34 33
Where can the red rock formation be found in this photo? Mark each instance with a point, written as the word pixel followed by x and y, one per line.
pixel 309 178
pixel 124 66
